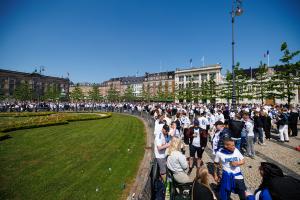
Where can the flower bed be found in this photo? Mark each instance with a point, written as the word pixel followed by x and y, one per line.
pixel 24 114
pixel 49 120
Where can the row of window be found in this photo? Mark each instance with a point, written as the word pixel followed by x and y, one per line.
pixel 195 77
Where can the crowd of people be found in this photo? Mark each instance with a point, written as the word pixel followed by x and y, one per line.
pixel 182 131
pixel 182 134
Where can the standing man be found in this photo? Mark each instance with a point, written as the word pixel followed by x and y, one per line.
pixel 293 120
pixel 236 126
pixel 160 146
pixel 230 159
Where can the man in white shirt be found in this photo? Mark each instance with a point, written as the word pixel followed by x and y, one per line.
pixel 220 116
pixel 230 159
pixel 249 126
pixel 160 146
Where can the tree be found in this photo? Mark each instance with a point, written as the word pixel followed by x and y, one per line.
pixel 226 90
pixel 146 93
pixel 262 83
pixel 128 94
pixel 113 94
pixel 287 75
pixel 52 93
pixel 240 82
pixel 94 95
pixel 77 95
pixel 23 92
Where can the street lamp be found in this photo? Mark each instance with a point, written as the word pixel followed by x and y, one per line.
pixel 236 11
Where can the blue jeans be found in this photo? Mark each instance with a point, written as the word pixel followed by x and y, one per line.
pixel 237 143
pixel 259 133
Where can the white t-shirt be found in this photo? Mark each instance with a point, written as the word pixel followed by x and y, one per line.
pixel 185 121
pixel 158 127
pixel 227 158
pixel 203 122
pixel 211 120
pixel 249 128
pixel 196 140
pixel 159 141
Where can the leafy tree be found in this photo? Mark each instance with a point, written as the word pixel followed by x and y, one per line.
pixel 287 75
pixel 52 93
pixel 95 95
pixel 128 94
pixel 77 95
pixel 23 92
pixel 240 83
pixel 113 94
pixel 226 90
pixel 262 83
pixel 146 93
pixel 180 92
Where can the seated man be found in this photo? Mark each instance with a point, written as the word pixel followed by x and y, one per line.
pixel 230 158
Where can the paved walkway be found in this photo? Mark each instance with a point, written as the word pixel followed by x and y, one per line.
pixel 282 154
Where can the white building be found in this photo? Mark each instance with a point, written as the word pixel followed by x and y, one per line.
pixel 197 75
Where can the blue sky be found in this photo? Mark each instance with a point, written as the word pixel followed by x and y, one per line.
pixel 95 40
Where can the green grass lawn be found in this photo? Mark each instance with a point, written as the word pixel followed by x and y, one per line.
pixel 72 161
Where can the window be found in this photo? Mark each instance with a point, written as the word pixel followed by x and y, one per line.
pixel 196 77
pixel 2 83
pixel 11 86
pixel 203 77
pixel 212 76
pixel 188 78
pixel 181 78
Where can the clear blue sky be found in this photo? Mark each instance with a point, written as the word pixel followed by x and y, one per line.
pixel 95 40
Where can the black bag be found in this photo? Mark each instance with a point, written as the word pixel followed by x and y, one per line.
pixel 159 190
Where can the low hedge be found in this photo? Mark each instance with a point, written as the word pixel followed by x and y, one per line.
pixel 51 120
pixel 25 114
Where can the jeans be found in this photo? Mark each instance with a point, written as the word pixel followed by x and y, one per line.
pixel 250 146
pixel 260 134
pixel 237 144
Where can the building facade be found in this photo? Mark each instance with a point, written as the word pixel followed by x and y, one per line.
pixel 120 84
pixel 162 84
pixel 195 76
pixel 10 80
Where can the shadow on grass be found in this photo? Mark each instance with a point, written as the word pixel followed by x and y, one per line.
pixel 5 137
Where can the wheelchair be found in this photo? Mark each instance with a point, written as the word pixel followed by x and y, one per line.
pixel 179 190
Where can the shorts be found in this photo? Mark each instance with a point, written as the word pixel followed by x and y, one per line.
pixel 162 164
pixel 193 151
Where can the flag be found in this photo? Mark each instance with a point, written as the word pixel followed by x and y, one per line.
pixel 191 60
pixel 264 55
pixel 68 74
pixel 268 52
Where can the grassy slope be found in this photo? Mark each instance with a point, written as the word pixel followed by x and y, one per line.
pixel 71 161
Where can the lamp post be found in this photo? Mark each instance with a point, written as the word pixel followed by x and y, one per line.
pixel 236 11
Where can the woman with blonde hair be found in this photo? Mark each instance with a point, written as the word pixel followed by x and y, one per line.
pixel 201 188
pixel 176 162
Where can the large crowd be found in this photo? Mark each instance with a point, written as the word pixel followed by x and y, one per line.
pixel 182 132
